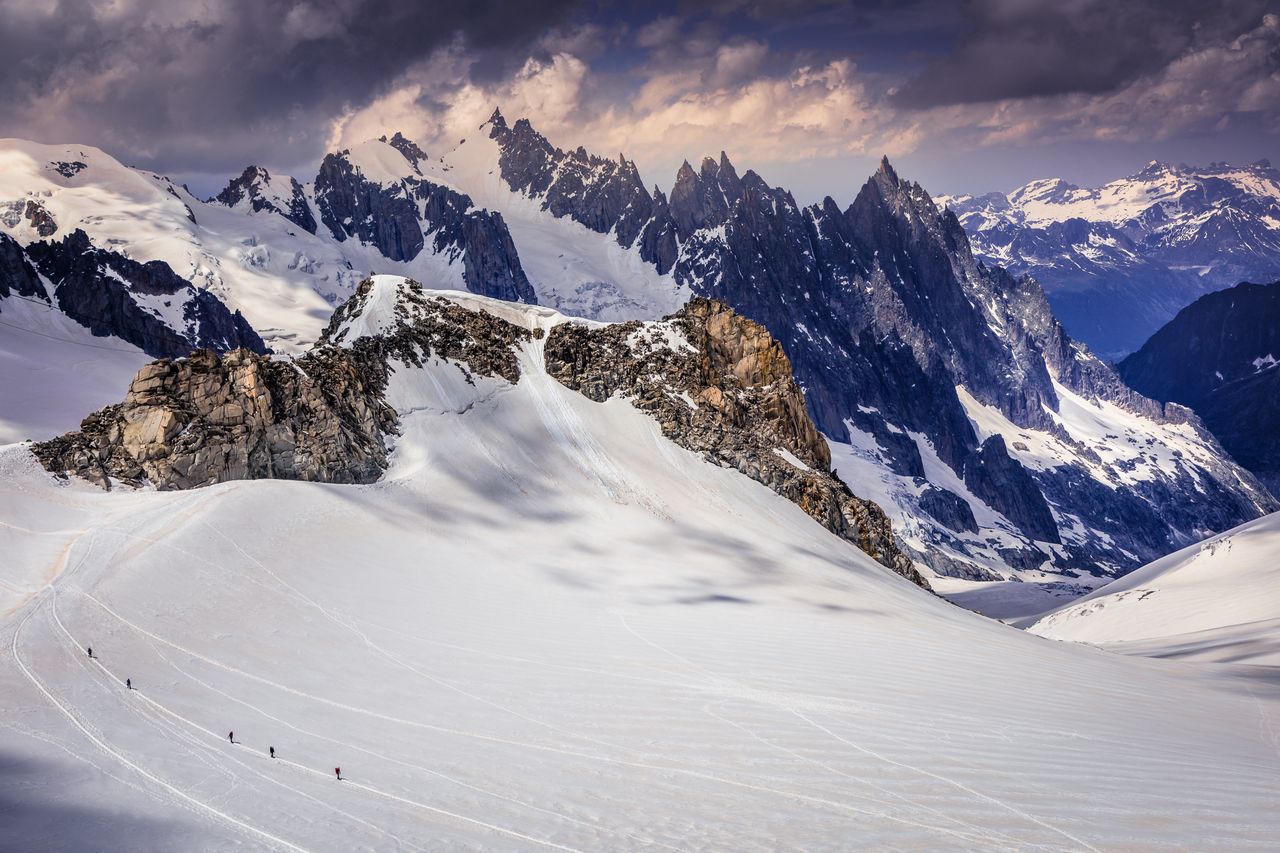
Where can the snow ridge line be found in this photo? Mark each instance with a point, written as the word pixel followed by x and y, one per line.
pixel 102 745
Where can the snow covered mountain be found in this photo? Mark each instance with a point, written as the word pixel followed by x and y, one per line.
pixel 904 345
pixel 562 606
pixel 1118 261
pixel 1219 356
pixel 1218 600
pixel 949 393
pixel 715 382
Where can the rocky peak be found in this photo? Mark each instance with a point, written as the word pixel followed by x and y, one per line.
pixel 407 147
pixel 603 194
pixel 402 216
pixel 885 174
pixel 256 187
pixel 704 199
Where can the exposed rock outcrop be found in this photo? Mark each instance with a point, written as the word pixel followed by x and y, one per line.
pixel 146 304
pixel 257 187
pixel 206 419
pixel 40 220
pixel 719 384
pixel 17 275
pixel 399 216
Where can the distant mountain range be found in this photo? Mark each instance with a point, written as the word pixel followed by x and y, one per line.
pixel 1221 357
pixel 948 392
pixel 1118 261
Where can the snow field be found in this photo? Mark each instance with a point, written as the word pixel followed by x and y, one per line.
pixel 541 629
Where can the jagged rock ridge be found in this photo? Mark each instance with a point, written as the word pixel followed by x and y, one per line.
pixel 145 304
pixel 256 187
pixel 897 332
pixel 715 382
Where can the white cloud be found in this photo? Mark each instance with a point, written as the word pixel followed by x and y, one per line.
pixel 693 99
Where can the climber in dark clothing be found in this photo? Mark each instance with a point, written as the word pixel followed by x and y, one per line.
pixel 90 650
pixel 128 684
pixel 337 771
pixel 231 737
pixel 273 751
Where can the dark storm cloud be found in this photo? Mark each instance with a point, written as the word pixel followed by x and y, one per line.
pixel 1030 48
pixel 208 85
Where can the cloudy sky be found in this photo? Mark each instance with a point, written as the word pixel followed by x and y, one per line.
pixel 963 95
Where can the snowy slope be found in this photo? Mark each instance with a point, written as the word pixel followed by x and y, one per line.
pixel 1218 600
pixel 549 627
pixel 285 280
pixel 574 269
pixel 53 371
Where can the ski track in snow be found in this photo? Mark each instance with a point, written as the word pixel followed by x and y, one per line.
pixel 52 592
pixel 105 747
pixel 872 753
pixel 748 693
pixel 697 774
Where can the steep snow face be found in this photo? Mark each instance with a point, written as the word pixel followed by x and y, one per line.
pixel 548 626
pixel 573 269
pixel 1218 600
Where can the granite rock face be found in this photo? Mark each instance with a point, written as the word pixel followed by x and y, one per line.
pixel 206 419
pixel 146 304
pixel 717 383
pixel 402 217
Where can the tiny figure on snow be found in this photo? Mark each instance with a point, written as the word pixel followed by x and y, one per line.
pixel 273 751
pixel 90 651
pixel 231 737
pixel 128 684
pixel 337 771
